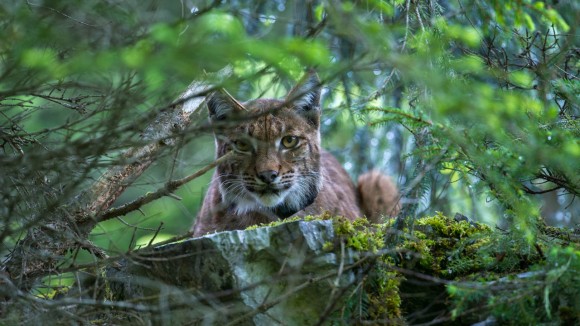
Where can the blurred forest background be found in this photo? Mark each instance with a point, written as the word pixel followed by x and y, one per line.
pixel 471 105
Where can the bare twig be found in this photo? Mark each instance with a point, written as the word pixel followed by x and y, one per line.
pixel 169 188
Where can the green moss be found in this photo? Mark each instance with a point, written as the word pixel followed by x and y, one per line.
pixel 275 223
pixel 308 218
pixel 447 227
pixel 360 234
pixel 380 287
pixel 443 247
pixel 328 246
pixel 382 290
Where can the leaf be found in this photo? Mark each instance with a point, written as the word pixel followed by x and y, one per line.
pixel 384 7
pixel 452 290
pixel 521 78
pixel 554 17
pixel 529 22
pixel 222 24
pixel 547 301
pixel 319 12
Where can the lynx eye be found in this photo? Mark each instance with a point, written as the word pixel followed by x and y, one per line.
pixel 289 141
pixel 243 145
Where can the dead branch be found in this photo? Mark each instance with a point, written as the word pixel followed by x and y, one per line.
pixel 167 190
pixel 38 253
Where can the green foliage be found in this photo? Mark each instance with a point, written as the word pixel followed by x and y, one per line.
pixel 473 105
pixel 546 294
pixel 500 122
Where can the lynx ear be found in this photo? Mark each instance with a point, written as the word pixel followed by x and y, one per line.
pixel 221 104
pixel 306 97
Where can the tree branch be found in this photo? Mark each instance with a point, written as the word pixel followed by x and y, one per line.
pixel 167 190
pixel 39 251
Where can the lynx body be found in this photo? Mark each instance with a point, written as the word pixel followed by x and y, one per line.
pixel 278 169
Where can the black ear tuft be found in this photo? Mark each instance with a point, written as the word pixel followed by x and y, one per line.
pixel 220 104
pixel 305 97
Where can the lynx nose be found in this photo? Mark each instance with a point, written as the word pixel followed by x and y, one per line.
pixel 268 176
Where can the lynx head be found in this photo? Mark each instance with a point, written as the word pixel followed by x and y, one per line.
pixel 275 167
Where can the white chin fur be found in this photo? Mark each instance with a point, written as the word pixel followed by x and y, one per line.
pixel 270 200
pixel 251 202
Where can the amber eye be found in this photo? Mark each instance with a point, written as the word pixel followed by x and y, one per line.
pixel 289 141
pixel 243 145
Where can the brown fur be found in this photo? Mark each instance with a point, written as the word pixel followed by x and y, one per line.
pixel 379 196
pixel 265 180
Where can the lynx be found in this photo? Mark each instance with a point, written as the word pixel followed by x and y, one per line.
pixel 278 169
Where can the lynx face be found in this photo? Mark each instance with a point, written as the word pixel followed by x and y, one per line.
pixel 275 167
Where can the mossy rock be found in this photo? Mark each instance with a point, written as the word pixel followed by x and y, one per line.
pixel 446 269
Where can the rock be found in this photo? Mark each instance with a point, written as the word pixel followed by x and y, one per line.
pixel 265 276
